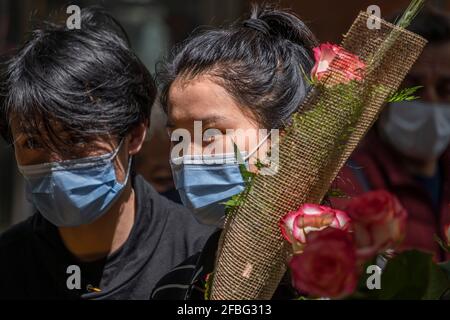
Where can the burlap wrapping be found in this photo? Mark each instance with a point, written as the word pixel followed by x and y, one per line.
pixel 252 254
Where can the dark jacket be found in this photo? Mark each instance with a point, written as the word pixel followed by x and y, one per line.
pixel 34 261
pixel 188 280
pixel 376 165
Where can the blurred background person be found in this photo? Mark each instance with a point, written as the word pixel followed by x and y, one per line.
pixel 153 161
pixel 407 151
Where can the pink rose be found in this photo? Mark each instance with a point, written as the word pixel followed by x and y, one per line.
pixel 379 222
pixel 328 266
pixel 310 217
pixel 350 66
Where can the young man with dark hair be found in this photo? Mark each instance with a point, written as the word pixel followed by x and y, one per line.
pixel 75 106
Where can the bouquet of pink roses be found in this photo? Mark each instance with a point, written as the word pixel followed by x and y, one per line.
pixel 335 253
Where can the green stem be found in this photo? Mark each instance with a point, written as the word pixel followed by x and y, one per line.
pixel 411 12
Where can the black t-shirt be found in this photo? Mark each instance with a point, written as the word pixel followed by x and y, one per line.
pixel 34 261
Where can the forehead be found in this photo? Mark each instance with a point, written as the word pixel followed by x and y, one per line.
pixel 59 139
pixel 21 126
pixel 202 99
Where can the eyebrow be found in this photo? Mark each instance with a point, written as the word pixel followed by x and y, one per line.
pixel 26 133
pixel 206 120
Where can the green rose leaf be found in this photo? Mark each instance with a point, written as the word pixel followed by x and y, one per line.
pixel 446 267
pixel 413 275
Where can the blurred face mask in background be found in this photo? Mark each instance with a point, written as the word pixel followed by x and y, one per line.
pixel 417 129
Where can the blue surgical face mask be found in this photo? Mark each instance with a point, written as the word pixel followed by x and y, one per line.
pixel 205 183
pixel 74 192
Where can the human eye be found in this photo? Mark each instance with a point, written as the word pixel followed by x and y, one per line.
pixel 78 141
pixel 211 135
pixel 31 143
pixel 175 138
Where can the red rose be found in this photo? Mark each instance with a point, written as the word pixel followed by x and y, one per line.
pixel 328 266
pixel 349 65
pixel 310 217
pixel 379 222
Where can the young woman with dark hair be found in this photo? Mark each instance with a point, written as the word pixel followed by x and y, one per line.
pixel 250 75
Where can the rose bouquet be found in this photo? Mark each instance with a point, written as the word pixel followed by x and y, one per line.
pixel 349 86
pixel 335 253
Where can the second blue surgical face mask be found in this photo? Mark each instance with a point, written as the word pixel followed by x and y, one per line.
pixel 74 192
pixel 417 129
pixel 205 183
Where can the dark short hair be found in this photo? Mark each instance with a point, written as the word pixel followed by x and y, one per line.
pixel 85 82
pixel 261 62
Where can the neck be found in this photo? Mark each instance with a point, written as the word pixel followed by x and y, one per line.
pixel 107 234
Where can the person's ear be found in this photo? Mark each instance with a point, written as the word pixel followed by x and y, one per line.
pixel 136 138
